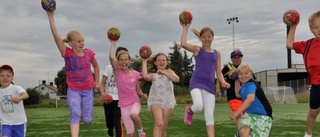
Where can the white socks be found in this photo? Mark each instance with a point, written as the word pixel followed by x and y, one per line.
pixel 306 135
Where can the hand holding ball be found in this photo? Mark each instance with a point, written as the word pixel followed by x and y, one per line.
pixel 185 17
pixel 107 99
pixel 48 5
pixel 291 17
pixel 145 52
pixel 113 33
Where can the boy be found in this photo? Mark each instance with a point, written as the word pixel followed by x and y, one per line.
pixel 12 113
pixel 310 50
pixel 257 120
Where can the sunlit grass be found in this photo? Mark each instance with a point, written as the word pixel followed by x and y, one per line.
pixel 288 121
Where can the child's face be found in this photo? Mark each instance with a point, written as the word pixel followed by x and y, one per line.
pixel 161 62
pixel 244 75
pixel 124 61
pixel 6 77
pixel 315 27
pixel 77 43
pixel 206 38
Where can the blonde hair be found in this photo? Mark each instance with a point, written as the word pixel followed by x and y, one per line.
pixel 122 52
pixel 313 16
pixel 70 35
pixel 244 66
pixel 199 33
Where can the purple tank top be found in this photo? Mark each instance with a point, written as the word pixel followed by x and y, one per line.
pixel 204 74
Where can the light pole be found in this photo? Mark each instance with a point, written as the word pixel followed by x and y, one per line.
pixel 232 20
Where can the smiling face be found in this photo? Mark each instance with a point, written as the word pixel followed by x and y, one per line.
pixel 206 38
pixel 6 77
pixel 77 43
pixel 161 62
pixel 124 60
pixel 245 73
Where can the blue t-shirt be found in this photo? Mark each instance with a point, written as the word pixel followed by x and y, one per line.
pixel 260 105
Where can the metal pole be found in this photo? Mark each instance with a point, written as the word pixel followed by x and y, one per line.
pixel 232 20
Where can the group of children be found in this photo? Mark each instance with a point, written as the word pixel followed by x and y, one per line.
pixel 247 100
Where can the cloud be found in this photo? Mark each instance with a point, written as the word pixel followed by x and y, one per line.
pixel 27 43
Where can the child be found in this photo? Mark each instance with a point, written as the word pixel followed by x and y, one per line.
pixel 310 50
pixel 128 86
pixel 257 120
pixel 208 62
pixel 79 79
pixel 230 74
pixel 111 111
pixel 13 116
pixel 161 99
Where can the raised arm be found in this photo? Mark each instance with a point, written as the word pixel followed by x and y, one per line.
pixel 112 56
pixel 59 42
pixel 183 42
pixel 144 71
pixel 290 38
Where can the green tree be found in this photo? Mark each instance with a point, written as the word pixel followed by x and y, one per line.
pixel 34 97
pixel 60 81
pixel 181 64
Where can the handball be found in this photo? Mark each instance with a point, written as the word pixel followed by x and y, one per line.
pixel 145 52
pixel 185 17
pixel 107 99
pixel 291 17
pixel 233 74
pixel 48 5
pixel 113 33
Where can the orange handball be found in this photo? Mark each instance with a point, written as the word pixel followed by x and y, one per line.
pixel 113 33
pixel 185 17
pixel 107 99
pixel 145 52
pixel 291 17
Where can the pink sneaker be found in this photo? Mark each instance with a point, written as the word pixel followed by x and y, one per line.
pixel 143 135
pixel 188 116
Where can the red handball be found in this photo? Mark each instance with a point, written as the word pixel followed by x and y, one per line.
pixel 145 52
pixel 48 5
pixel 113 33
pixel 291 17
pixel 108 99
pixel 185 17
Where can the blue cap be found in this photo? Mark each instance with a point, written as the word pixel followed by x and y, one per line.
pixel 236 53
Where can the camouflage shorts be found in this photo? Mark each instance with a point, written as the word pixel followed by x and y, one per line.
pixel 260 125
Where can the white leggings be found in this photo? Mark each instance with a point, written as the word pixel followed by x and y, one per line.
pixel 203 99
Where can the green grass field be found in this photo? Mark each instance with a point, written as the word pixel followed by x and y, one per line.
pixel 289 121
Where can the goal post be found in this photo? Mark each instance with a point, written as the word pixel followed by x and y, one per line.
pixel 281 95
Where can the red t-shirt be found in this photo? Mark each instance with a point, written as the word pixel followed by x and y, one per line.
pixel 313 59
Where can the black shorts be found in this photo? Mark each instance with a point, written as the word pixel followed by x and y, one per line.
pixel 314 97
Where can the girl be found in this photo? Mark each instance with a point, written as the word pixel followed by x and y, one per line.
pixel 208 62
pixel 161 99
pixel 79 79
pixel 128 86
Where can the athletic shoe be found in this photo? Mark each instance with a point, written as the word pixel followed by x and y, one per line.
pixel 188 116
pixel 237 134
pixel 142 135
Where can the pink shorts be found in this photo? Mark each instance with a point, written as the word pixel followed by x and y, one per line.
pixel 126 112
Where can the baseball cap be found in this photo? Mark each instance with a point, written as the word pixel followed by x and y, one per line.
pixel 236 53
pixel 6 67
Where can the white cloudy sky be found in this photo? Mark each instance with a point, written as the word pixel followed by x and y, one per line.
pixel 27 45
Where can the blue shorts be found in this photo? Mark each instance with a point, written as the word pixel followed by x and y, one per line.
pixel 314 97
pixel 14 130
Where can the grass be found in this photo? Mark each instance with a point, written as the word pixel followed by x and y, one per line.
pixel 289 121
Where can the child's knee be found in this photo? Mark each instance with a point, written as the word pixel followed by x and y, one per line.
pixel 87 121
pixel 197 107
